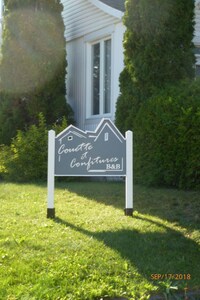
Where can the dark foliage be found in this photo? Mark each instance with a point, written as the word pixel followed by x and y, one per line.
pixel 167 138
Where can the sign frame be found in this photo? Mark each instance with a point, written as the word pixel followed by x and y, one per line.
pixel 54 156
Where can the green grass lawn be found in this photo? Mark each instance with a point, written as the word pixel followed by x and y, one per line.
pixel 91 250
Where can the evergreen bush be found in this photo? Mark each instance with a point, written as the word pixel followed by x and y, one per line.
pixel 26 158
pixel 158 52
pixel 32 67
pixel 167 138
pixel 128 102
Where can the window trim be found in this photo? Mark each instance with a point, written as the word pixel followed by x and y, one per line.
pixel 89 43
pixel 197 64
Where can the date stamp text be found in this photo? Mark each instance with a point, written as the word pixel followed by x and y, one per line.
pixel 171 276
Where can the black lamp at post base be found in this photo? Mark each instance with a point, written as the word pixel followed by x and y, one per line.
pixel 50 213
pixel 128 212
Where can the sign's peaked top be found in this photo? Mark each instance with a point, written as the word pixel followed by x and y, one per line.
pixel 92 134
pixel 109 124
pixel 73 130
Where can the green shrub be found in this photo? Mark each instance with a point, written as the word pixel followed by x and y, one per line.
pixel 167 138
pixel 5 155
pixel 158 51
pixel 26 158
pixel 32 66
pixel 128 102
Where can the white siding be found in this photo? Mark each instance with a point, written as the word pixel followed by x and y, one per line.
pixel 82 17
pixel 0 27
pixel 75 83
pixel 85 23
pixel 197 23
pixel 118 63
pixel 1 20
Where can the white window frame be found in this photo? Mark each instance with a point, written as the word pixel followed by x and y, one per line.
pixel 90 41
pixel 197 64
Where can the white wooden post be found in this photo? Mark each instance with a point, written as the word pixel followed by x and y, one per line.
pixel 129 174
pixel 51 174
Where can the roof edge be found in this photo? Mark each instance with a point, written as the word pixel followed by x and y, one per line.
pixel 108 9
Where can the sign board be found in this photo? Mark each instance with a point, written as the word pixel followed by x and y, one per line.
pixel 99 153
pixel 104 152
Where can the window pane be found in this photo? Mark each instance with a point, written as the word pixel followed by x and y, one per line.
pixel 107 76
pixel 95 78
pixel 197 70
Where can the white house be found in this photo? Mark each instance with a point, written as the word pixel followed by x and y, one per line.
pixel 196 39
pixel 1 20
pixel 94 42
pixel 94 35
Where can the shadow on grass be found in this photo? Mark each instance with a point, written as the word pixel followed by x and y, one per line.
pixel 109 193
pixel 165 252
pixel 180 207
